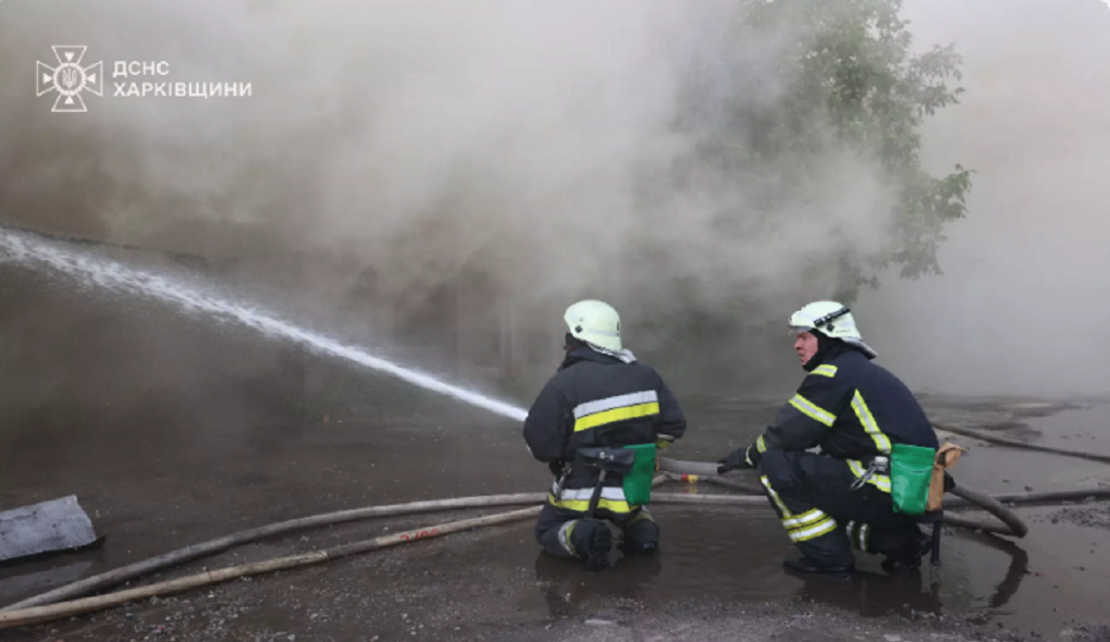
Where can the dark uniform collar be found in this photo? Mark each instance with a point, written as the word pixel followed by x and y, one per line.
pixel 587 354
pixel 827 350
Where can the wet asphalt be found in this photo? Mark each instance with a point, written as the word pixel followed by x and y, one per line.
pixel 151 493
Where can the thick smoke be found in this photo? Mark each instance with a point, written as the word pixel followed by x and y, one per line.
pixel 1021 306
pixel 537 145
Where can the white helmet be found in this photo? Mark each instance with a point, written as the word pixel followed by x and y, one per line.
pixel 833 320
pixel 595 322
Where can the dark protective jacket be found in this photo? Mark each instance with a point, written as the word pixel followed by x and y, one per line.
pixel 596 400
pixel 853 410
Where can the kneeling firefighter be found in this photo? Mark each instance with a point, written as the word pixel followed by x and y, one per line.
pixel 597 423
pixel 869 427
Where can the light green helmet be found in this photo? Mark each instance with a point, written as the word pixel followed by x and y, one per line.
pixel 595 322
pixel 833 320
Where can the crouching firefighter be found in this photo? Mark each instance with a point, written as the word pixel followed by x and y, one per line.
pixel 597 423
pixel 865 422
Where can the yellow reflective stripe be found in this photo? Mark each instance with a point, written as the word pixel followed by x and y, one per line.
pixel 805 518
pixel 870 426
pixel 565 531
pixel 607 492
pixel 616 414
pixel 882 482
pixel 619 401
pixel 807 533
pixel 661 443
pixel 825 371
pixel 748 456
pixel 813 411
pixel 760 445
pixel 775 497
pixel 583 505
pixel 859 535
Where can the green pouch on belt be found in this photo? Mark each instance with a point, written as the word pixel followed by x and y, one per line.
pixel 911 470
pixel 637 484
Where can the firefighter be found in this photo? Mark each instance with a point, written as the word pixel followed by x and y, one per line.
pixel 854 410
pixel 601 399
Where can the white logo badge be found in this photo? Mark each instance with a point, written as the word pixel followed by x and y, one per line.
pixel 69 78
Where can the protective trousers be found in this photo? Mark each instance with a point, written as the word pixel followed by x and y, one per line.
pixel 566 533
pixel 824 517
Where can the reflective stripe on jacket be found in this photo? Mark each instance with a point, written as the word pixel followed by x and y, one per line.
pixel 852 409
pixel 599 401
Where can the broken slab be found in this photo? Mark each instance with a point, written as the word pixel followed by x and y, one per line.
pixel 55 525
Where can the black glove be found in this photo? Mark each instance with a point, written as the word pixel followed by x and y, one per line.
pixel 556 467
pixel 737 459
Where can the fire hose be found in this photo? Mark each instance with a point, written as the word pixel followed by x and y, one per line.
pixel 52 605
pixel 48 607
pixel 34 610
pixel 1011 524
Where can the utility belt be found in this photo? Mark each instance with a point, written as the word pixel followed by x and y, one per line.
pixel 578 474
pixel 634 464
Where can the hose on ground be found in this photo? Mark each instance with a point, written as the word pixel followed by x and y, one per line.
pixel 212 547
pixel 1011 524
pixel 48 608
pixel 701 469
pixel 218 545
pixel 717 480
pixel 1044 497
pixel 39 614
pixel 1008 517
pixel 1004 441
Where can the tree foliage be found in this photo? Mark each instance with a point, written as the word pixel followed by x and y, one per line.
pixel 810 84
pixel 853 82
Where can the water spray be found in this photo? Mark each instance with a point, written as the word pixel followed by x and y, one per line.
pixel 27 249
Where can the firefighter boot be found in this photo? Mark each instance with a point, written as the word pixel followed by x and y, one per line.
pixel 808 566
pixel 641 535
pixel 909 556
pixel 592 541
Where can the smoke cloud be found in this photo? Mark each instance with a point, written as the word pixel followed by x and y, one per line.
pixel 554 149
pixel 1019 308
